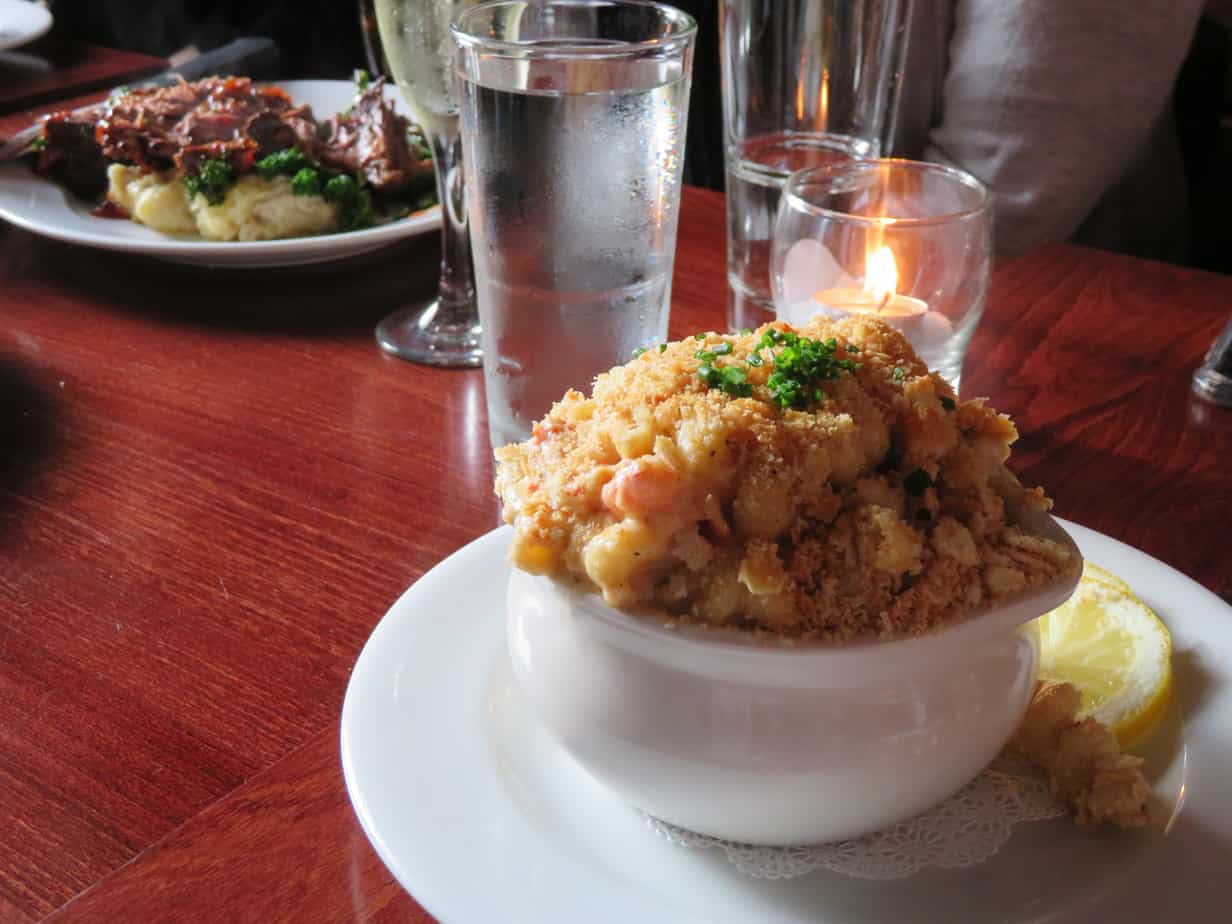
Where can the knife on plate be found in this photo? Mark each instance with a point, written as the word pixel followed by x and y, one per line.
pixel 243 55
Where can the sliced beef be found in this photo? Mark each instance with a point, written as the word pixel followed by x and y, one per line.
pixel 270 133
pixel 291 128
pixel 240 153
pixel 139 127
pixel 72 156
pixel 371 138
pixel 227 117
pixel 202 126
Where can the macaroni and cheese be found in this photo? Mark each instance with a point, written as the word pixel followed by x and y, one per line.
pixel 813 484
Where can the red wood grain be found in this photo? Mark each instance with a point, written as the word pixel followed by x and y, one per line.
pixel 255 872
pixel 53 68
pixel 1092 354
pixel 212 485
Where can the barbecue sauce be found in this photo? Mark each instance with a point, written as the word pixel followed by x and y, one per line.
pixel 110 209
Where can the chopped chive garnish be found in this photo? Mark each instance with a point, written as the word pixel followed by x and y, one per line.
pixel 899 373
pixel 801 366
pixel 734 381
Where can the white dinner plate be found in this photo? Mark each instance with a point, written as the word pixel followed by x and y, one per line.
pixel 22 22
pixel 483 818
pixel 44 207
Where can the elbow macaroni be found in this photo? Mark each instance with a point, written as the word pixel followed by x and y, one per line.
pixel 881 509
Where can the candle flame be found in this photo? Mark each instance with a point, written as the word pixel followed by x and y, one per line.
pixel 800 84
pixel 823 100
pixel 881 274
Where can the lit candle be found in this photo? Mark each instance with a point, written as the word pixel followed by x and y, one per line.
pixel 880 299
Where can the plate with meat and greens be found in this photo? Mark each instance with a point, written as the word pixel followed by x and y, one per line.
pixel 223 171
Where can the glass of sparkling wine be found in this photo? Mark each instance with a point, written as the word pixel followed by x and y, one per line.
pixel 415 44
pixel 573 125
pixel 805 83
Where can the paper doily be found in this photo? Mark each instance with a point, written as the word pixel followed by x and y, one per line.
pixel 964 830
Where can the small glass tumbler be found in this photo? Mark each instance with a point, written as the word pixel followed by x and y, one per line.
pixel 906 242
pixel 573 127
pixel 805 83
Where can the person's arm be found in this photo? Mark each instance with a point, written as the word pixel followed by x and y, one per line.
pixel 1050 101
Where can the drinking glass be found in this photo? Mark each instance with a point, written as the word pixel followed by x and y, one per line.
pixel 370 33
pixel 1213 379
pixel 573 120
pixel 907 242
pixel 805 83
pixel 418 50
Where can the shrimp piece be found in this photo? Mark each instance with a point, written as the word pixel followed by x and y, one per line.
pixel 1053 709
pixel 1086 769
pixel 643 487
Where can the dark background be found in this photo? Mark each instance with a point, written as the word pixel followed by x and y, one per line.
pixel 322 38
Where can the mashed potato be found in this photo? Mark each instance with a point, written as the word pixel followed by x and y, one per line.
pixel 152 199
pixel 880 503
pixel 255 208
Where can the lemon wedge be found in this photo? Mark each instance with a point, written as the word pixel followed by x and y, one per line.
pixel 1114 649
pixel 1093 572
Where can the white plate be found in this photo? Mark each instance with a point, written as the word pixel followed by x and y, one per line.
pixel 22 22
pixel 44 207
pixel 483 818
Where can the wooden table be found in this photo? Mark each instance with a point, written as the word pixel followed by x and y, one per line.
pixel 55 68
pixel 212 486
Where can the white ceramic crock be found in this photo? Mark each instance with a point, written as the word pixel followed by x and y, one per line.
pixel 770 744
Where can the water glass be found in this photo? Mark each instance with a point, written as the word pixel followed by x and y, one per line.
pixel 904 241
pixel 805 83
pixel 573 126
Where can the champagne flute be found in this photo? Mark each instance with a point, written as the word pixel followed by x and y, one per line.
pixel 416 45
pixel 370 33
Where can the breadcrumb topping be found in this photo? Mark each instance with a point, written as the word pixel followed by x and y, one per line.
pixel 875 503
